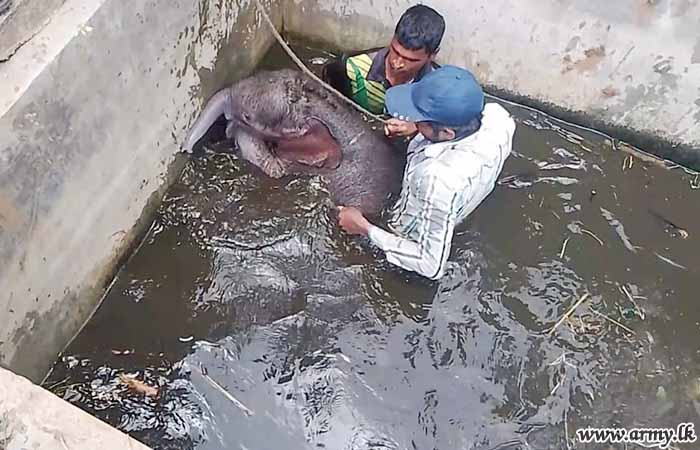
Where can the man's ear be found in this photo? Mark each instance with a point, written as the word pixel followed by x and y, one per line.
pixel 434 54
pixel 448 133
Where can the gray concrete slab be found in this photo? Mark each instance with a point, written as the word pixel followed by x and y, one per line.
pixel 20 20
pixel 31 417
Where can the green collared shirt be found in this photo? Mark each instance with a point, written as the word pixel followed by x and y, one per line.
pixel 366 73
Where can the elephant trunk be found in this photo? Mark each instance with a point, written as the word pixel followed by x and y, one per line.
pixel 219 104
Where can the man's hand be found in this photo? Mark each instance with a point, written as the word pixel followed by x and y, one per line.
pixel 352 221
pixel 398 128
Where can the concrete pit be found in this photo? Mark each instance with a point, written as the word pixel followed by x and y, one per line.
pixel 96 97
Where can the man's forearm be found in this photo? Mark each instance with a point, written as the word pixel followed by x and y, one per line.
pixel 405 253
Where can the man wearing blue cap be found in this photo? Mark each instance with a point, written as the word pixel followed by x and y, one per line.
pixel 452 166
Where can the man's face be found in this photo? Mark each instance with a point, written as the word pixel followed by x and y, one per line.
pixel 403 64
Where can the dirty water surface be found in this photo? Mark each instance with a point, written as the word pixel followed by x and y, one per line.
pixel 262 326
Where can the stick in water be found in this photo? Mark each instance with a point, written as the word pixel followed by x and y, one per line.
pixel 568 313
pixel 563 248
pixel 226 394
pixel 590 233
pixel 611 320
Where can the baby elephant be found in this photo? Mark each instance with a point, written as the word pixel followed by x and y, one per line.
pixel 286 123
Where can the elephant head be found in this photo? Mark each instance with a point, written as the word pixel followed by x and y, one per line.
pixel 271 105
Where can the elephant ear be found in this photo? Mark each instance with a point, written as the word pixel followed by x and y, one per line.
pixel 316 147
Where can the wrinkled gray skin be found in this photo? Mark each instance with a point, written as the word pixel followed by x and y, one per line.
pixel 277 105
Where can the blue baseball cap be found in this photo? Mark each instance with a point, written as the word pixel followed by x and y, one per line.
pixel 448 95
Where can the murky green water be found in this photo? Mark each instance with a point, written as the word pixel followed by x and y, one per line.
pixel 247 281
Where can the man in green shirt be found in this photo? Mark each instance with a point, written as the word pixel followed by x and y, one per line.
pixel 365 76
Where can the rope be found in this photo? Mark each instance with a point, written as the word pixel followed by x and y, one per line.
pixel 306 70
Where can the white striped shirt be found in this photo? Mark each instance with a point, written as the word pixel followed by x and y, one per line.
pixel 442 184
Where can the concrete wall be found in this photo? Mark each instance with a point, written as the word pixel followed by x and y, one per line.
pixel 628 67
pixel 20 20
pixel 31 417
pixel 92 110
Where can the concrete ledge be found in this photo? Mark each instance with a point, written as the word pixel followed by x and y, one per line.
pixel 92 111
pixel 20 20
pixel 31 417
pixel 629 67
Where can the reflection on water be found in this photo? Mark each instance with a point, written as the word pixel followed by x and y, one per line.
pixel 265 327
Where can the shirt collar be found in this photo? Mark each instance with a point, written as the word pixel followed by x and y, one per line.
pixel 377 70
pixel 432 149
pixel 435 149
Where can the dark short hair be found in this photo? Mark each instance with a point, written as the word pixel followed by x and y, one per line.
pixel 420 27
pixel 461 131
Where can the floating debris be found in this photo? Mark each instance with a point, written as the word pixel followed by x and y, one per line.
pixel 563 248
pixel 661 394
pixel 620 230
pixel 641 155
pixel 670 261
pixel 247 411
pixel 590 233
pixel 518 180
pixel 632 298
pixel 628 162
pixel 613 321
pixel 568 313
pixel 122 352
pixel 578 229
pixel 682 232
pixel 319 60
pixel 584 324
pixel 138 386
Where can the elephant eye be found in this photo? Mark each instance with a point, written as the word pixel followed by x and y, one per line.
pixel 246 117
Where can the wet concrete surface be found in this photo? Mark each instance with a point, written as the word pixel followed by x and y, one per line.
pixel 264 326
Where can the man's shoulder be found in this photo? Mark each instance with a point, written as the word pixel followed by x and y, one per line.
pixel 494 113
pixel 494 140
pixel 495 108
pixel 497 124
pixel 369 62
pixel 439 164
pixel 341 59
